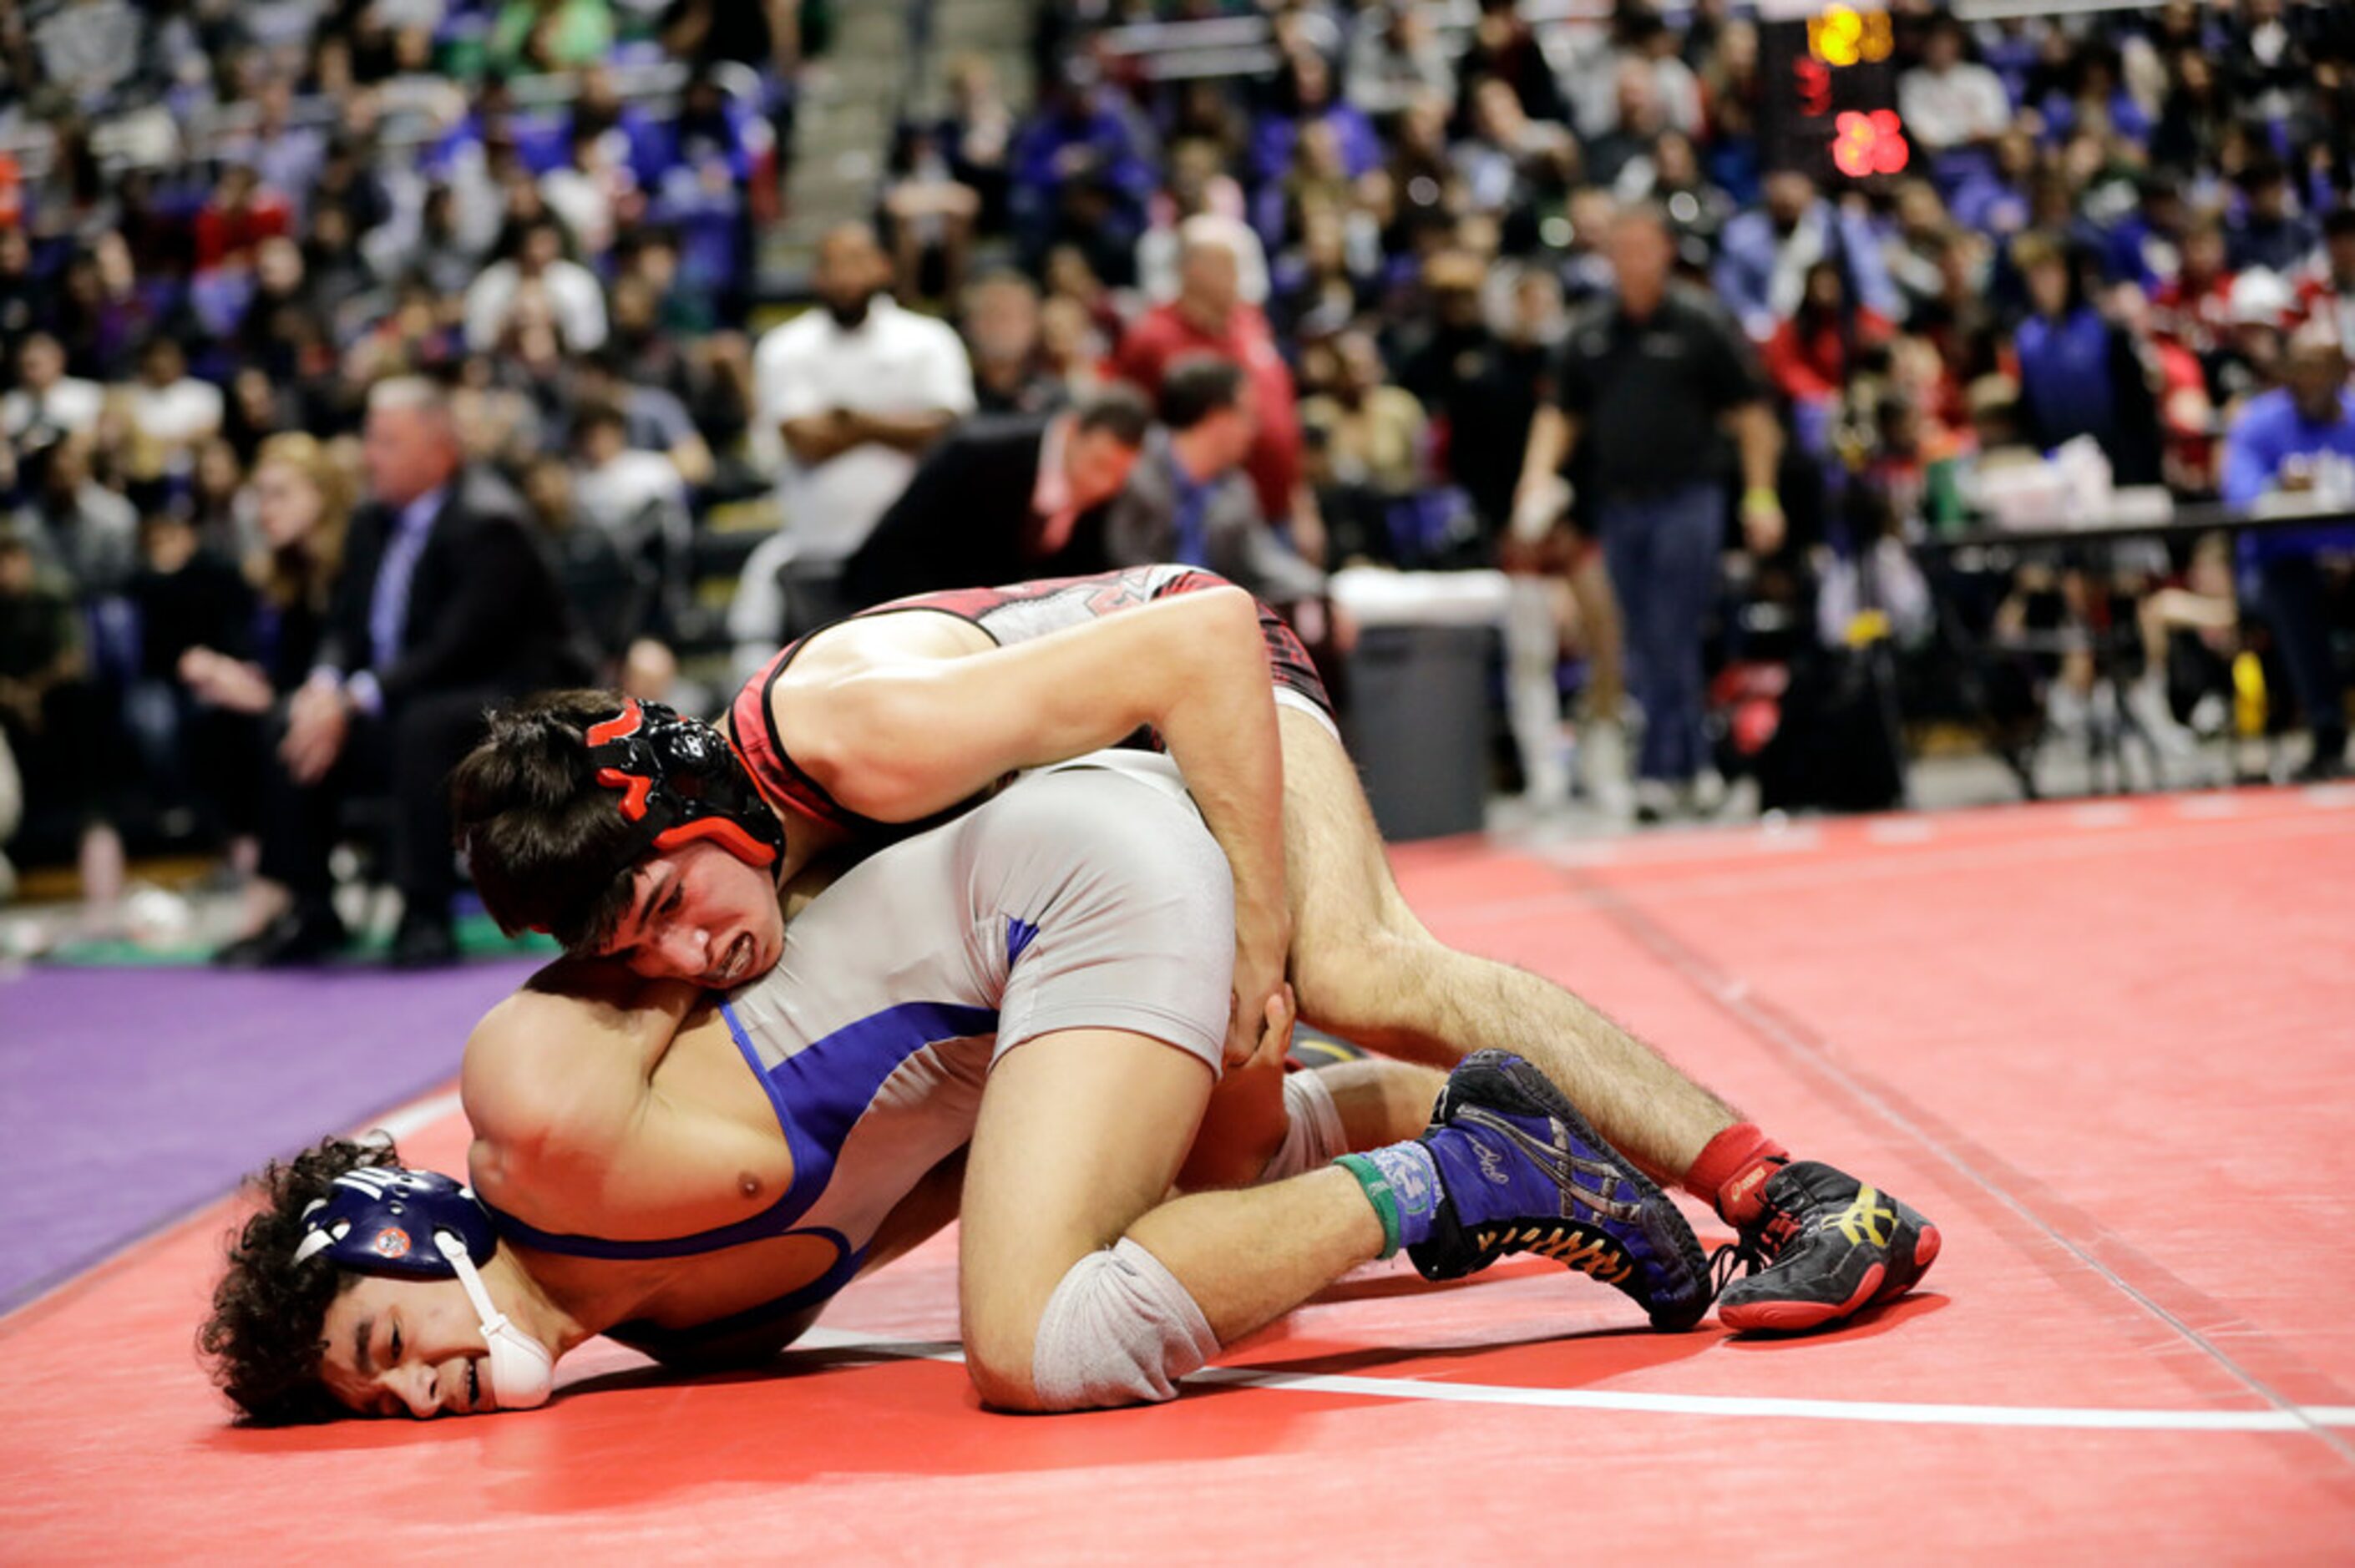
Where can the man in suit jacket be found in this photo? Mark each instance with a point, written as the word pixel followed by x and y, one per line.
pixel 445 606
pixel 1005 500
pixel 1189 500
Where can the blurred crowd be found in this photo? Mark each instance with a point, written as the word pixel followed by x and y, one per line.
pixel 1300 313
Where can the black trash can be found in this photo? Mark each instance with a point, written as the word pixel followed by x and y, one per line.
pixel 1418 725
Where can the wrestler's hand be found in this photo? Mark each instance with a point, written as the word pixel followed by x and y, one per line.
pixel 1262 1002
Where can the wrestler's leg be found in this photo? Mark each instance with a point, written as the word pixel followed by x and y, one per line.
pixel 1364 967
pixel 1374 1102
pixel 1080 1133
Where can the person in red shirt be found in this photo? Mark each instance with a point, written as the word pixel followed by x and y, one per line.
pixel 1807 359
pixel 1208 316
pixel 2194 308
pixel 241 213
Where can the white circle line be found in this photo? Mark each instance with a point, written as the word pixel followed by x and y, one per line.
pixel 2082 1418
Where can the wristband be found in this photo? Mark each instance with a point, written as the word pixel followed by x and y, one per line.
pixel 1761 496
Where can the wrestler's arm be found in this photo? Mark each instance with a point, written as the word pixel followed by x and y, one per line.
pixel 570 1133
pixel 898 738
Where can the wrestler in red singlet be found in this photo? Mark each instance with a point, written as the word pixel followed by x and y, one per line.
pixel 1013 614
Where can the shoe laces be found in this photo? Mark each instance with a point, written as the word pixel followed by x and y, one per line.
pixel 1731 1261
pixel 1754 1247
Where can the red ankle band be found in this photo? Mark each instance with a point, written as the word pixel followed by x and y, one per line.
pixel 1731 1169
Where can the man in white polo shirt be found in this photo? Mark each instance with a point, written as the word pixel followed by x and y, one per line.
pixel 856 391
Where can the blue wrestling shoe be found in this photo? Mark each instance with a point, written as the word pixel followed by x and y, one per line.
pixel 1519 1170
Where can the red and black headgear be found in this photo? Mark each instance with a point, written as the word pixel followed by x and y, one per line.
pixel 681 782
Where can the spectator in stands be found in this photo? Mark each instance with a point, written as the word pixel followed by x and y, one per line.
pixel 632 493
pixel 168 413
pixel 857 391
pixel 1005 500
pixel 48 717
pixel 1374 432
pixel 1950 101
pixel 302 504
pixel 1511 158
pixel 927 215
pixel 1306 95
pixel 537 269
pixel 653 419
pixel 1208 316
pixel 1395 55
pixel 2327 291
pixel 614 594
pixel 1761 268
pixel 1197 183
pixel 1647 371
pixel 2299 441
pixel 1806 360
pixel 977 137
pixel 2269 231
pixel 237 219
pixel 445 606
pixel 1504 47
pixel 549 35
pixel 1080 157
pixel 2082 372
pixel 1001 332
pixel 1190 499
pixel 188 595
pixel 593 191
pixel 47 404
pixel 76 525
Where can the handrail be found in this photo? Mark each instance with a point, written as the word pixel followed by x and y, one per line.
pixel 2192 517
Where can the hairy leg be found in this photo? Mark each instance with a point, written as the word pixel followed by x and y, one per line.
pixel 1078 1135
pixel 1365 968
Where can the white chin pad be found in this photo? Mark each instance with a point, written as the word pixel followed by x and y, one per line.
pixel 522 1371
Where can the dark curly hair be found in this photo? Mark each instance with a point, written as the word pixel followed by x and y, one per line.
pixel 547 849
pixel 268 1323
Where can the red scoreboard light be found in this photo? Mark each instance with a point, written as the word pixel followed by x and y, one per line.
pixel 1831 95
pixel 1866 143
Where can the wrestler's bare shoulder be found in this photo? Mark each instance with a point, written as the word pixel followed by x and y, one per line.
pixel 898 636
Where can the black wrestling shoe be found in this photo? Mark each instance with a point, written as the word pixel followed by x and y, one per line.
pixel 1825 1247
pixel 1519 1170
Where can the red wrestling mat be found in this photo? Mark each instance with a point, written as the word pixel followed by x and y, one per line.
pixel 2107 1047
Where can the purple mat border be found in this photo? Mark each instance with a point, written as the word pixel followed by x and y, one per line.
pixel 131 1099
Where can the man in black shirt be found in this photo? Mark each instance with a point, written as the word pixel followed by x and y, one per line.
pixel 1651 382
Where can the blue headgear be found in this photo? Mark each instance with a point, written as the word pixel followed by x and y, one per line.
pixel 383 1220
pixel 420 1225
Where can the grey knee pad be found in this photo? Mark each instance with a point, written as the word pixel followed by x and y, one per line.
pixel 1119 1329
pixel 1313 1136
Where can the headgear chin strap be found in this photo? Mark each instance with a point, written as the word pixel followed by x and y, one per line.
pixel 420 1225
pixel 681 782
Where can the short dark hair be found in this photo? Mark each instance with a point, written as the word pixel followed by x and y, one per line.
pixel 1196 386
pixel 596 414
pixel 1119 410
pixel 548 848
pixel 268 1325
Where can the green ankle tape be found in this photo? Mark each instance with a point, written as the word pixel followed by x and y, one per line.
pixel 1377 1193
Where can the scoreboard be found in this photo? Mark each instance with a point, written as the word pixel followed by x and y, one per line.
pixel 1829 90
